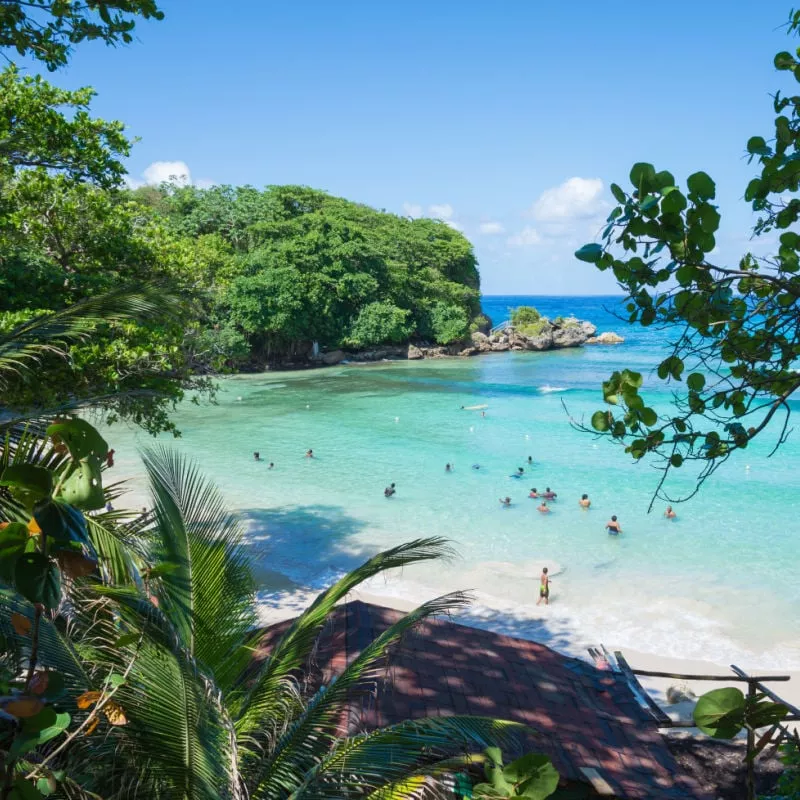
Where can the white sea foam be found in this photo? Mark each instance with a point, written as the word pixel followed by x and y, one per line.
pixel 547 389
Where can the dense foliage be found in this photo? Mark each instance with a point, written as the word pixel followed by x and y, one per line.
pixel 261 275
pixel 289 266
pixel 734 329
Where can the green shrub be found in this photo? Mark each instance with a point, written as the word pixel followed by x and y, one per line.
pixel 379 323
pixel 524 315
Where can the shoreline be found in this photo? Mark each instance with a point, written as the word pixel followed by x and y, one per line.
pixel 281 598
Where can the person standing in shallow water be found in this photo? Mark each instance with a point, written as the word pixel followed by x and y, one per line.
pixel 544 588
pixel 309 453
pixel 584 502
pixel 389 490
pixel 669 513
pixel 613 527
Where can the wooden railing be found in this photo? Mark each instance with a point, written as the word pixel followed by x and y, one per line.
pixel 774 736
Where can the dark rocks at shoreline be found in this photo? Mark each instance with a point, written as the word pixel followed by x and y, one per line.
pixel 545 334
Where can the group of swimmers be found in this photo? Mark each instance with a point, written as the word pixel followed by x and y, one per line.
pixel 257 457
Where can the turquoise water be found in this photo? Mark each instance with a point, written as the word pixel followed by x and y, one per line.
pixel 719 582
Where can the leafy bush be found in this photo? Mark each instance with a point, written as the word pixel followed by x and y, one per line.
pixel 379 323
pixel 524 315
pixel 447 323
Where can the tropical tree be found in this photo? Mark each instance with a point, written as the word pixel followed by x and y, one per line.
pixel 734 329
pixel 164 662
pixel 46 30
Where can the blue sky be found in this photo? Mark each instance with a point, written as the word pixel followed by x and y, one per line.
pixel 508 119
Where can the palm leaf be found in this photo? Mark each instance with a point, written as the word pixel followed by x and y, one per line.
pixel 272 693
pixel 395 761
pixel 51 333
pixel 299 749
pixel 209 593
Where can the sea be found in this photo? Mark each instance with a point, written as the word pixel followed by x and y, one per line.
pixel 719 582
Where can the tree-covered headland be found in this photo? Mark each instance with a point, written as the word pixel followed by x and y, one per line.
pixel 258 275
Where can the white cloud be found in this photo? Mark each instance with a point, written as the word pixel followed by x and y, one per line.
pixel 168 171
pixel 413 210
pixel 576 198
pixel 527 237
pixel 491 228
pixel 176 172
pixel 441 211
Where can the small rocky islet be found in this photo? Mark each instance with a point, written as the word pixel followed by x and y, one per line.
pixel 546 334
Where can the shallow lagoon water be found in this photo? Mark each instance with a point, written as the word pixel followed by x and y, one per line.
pixel 719 582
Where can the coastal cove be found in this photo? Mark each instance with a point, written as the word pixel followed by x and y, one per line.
pixel 696 587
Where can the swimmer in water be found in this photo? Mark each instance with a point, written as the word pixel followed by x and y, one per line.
pixel 389 490
pixel 505 501
pixel 584 502
pixel 476 466
pixel 256 456
pixel 483 413
pixel 271 465
pixel 533 493
pixel 613 527
pixel 530 459
pixel 544 588
pixel 543 507
pixel 669 513
pixel 520 470
pixel 549 494
pixel 309 453
pixel 447 468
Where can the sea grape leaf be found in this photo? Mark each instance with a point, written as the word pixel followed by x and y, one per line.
pixel 80 438
pixel 27 741
pixel 13 539
pixel 590 253
pixel 38 580
pixel 720 713
pixel 82 487
pixel 61 522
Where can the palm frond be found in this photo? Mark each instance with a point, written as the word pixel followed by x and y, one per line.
pixel 396 762
pixel 272 690
pixel 298 750
pixel 427 782
pixel 209 592
pixel 55 650
pixel 119 546
pixel 52 333
pixel 177 727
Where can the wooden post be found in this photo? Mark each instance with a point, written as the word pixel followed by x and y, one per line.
pixel 750 777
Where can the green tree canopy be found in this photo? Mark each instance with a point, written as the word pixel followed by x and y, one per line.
pixel 735 329
pixel 46 30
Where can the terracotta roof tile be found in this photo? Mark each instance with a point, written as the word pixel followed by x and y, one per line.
pixel 588 719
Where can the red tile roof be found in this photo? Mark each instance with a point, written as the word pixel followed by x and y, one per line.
pixel 589 718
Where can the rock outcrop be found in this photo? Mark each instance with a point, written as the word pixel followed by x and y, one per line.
pixel 545 334
pixel 609 337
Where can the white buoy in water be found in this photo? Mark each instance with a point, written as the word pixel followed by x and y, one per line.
pixel 527 436
pixel 472 430
pixel 239 399
pixel 747 467
pixel 308 406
